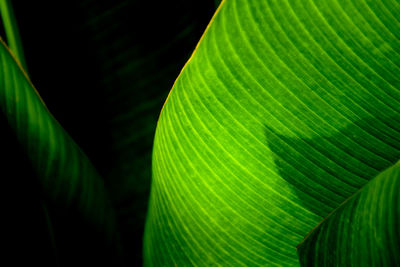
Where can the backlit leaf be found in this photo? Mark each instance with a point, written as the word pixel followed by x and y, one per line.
pixel 284 111
pixel 364 231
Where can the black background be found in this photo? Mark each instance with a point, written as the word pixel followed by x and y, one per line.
pixel 79 56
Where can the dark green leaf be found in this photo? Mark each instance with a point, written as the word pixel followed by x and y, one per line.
pixel 11 29
pixel 363 231
pixel 65 173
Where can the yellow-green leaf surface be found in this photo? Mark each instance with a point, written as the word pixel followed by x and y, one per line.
pixel 364 231
pixel 65 173
pixel 284 111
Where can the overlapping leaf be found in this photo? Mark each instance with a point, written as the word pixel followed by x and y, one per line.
pixel 66 174
pixel 284 111
pixel 363 231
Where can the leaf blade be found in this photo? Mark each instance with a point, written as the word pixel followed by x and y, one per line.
pixel 12 32
pixel 276 119
pixel 64 171
pixel 368 233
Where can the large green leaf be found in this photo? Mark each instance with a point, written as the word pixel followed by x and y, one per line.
pixel 364 231
pixel 285 110
pixel 65 173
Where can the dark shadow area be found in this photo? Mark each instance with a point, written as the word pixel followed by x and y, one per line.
pixel 36 231
pixel 340 164
pixel 24 234
pixel 104 69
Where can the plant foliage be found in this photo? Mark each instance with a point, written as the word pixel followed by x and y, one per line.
pixel 285 110
pixel 282 131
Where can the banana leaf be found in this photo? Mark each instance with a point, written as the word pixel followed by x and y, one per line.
pixel 283 112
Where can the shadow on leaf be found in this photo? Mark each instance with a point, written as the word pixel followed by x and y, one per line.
pixel 325 170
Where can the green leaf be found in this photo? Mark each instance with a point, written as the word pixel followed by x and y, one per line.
pixel 12 32
pixel 363 231
pixel 65 173
pixel 285 110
